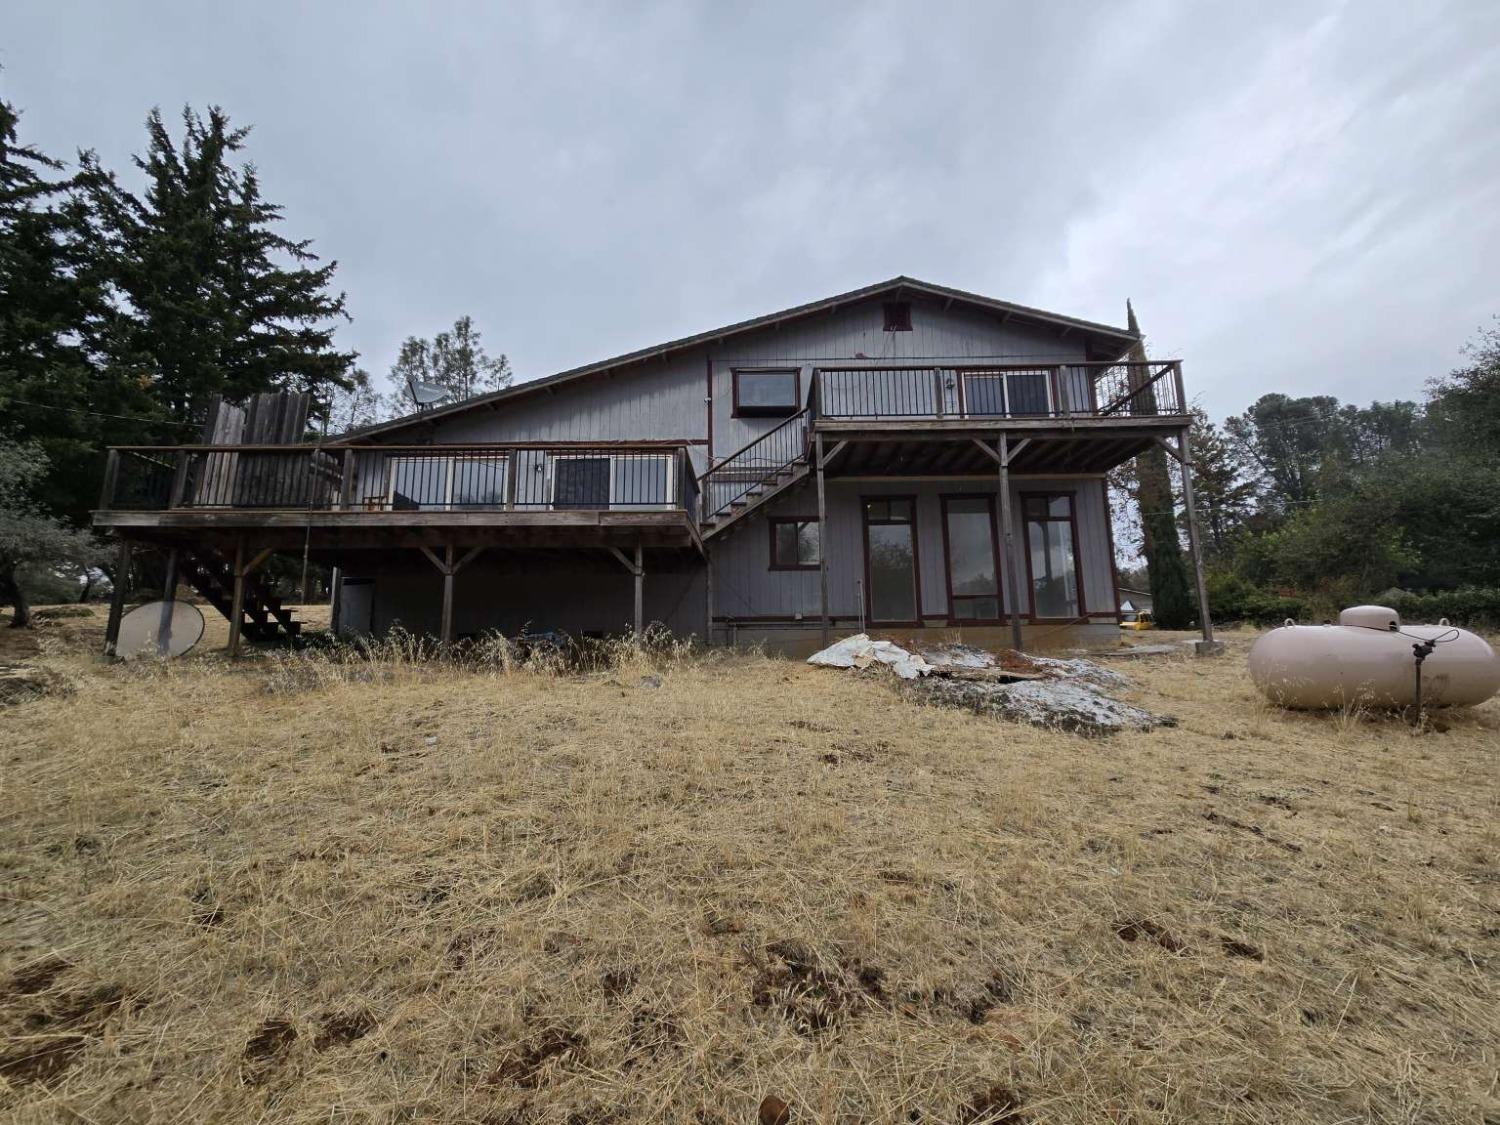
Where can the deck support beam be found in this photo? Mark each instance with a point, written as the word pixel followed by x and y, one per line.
pixel 117 598
pixel 708 597
pixel 1008 537
pixel 448 565
pixel 242 570
pixel 822 532
pixel 640 591
pixel 637 569
pixel 168 605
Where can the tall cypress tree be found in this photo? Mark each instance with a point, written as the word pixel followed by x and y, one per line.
pixel 211 298
pixel 1171 604
pixel 51 313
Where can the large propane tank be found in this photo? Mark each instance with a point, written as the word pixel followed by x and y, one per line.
pixel 1367 659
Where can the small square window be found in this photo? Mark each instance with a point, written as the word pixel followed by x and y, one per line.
pixel 795 544
pixel 769 393
pixel 898 316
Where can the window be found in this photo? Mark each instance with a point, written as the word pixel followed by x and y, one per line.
pixel 447 482
pixel 767 392
pixel 478 482
pixel 891 591
pixel 624 481
pixel 898 316
pixel 1007 393
pixel 973 558
pixel 1051 544
pixel 795 543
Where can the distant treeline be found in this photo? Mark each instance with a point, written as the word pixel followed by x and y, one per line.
pixel 1308 504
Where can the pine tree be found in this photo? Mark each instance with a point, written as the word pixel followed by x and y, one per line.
pixel 212 300
pixel 1171 604
pixel 1224 490
pixel 454 360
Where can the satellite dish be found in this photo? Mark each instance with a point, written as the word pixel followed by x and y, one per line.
pixel 425 394
pixel 142 633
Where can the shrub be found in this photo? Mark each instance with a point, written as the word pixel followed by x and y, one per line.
pixel 1476 607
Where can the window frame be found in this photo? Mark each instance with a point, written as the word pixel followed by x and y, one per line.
pixel 897 316
pixel 776 563
pixel 999 595
pixel 613 459
pixel 449 462
pixel 752 410
pixel 1072 521
pixel 916 556
pixel 1004 375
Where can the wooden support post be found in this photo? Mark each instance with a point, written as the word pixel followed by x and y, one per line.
pixel 1195 543
pixel 117 598
pixel 168 605
pixel 823 536
pixel 708 598
pixel 448 569
pixel 335 595
pixel 1008 534
pixel 237 601
pixel 640 592
pixel 111 476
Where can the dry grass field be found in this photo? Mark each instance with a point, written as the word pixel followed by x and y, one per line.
pixel 692 889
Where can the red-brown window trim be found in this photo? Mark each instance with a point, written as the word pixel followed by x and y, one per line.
pixel 994 546
pixel 916 558
pixel 1072 498
pixel 765 411
pixel 776 564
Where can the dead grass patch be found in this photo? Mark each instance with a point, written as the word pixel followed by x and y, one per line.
pixel 730 890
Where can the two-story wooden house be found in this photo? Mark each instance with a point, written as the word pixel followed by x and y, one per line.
pixel 902 457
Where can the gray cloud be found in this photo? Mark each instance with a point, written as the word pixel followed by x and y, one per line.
pixel 1299 197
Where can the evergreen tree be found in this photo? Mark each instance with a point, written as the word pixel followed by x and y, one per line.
pixel 33 545
pixel 211 299
pixel 1224 490
pixel 52 311
pixel 1171 604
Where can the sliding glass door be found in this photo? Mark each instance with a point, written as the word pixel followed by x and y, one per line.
pixel 892 594
pixel 972 548
pixel 1052 556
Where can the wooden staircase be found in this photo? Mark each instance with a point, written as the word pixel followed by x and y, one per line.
pixel 755 498
pixel 751 477
pixel 264 617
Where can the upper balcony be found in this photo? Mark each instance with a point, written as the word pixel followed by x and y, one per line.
pixel 526 494
pixel 1021 397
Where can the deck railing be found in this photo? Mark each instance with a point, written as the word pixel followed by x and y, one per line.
pixel 1061 390
pixel 636 476
pixel 730 480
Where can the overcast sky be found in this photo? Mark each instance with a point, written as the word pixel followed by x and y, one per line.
pixel 1297 196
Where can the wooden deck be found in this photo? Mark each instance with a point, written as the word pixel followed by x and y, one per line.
pixel 286 529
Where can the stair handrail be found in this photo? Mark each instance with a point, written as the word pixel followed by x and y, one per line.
pixel 792 448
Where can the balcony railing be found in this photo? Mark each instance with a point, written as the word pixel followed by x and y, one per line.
pixel 1064 390
pixel 633 477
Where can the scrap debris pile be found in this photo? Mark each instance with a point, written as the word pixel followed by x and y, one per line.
pixel 1070 695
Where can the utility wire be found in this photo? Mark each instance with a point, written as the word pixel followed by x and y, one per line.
pixel 98 414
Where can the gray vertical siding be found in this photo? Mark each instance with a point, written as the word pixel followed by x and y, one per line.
pixel 745 586
pixel 665 399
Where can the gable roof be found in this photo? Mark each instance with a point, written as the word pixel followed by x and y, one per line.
pixel 1109 337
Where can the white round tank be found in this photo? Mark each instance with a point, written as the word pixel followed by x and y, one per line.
pixel 1367 659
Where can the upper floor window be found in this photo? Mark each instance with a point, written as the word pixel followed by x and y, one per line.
pixel 768 392
pixel 898 316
